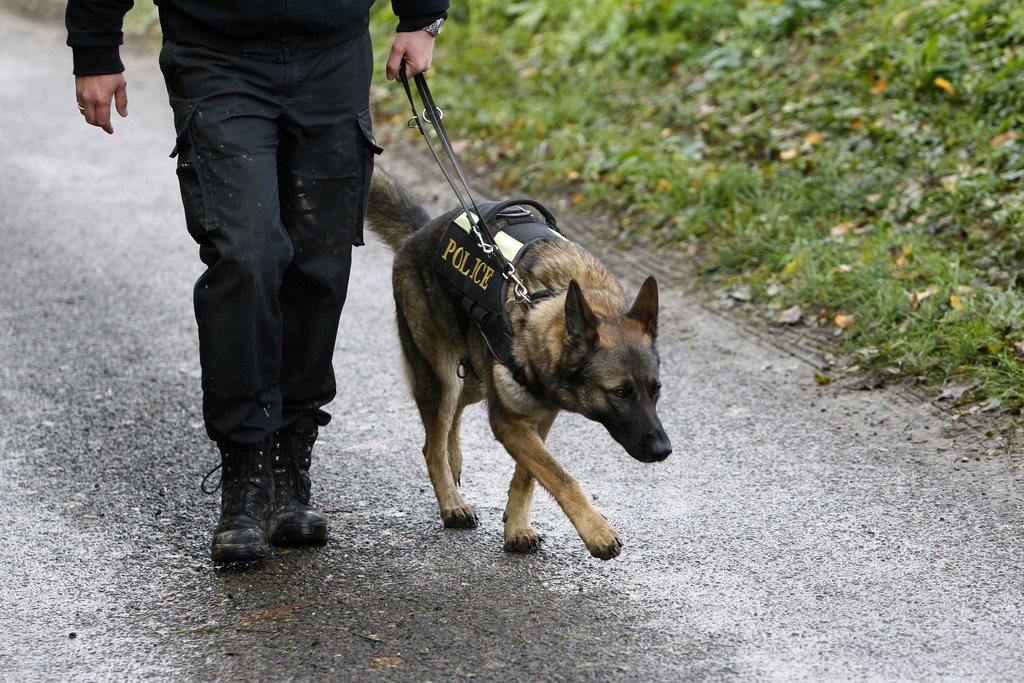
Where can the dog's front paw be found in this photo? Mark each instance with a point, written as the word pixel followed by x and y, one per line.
pixel 604 544
pixel 600 537
pixel 459 518
pixel 522 541
pixel 607 551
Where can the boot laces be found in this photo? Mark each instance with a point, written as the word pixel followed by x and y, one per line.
pixel 220 479
pixel 244 469
pixel 300 446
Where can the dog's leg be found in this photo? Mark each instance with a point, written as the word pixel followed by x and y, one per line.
pixel 439 414
pixel 436 388
pixel 455 445
pixel 520 537
pixel 522 440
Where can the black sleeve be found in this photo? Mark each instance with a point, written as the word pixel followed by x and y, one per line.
pixel 415 14
pixel 94 34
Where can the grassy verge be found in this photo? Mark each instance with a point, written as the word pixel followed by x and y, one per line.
pixel 852 167
pixel 847 165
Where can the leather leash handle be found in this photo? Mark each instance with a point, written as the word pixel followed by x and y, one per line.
pixel 434 117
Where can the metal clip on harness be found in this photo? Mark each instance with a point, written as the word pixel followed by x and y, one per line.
pixel 433 115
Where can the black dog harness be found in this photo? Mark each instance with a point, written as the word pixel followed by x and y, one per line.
pixel 474 280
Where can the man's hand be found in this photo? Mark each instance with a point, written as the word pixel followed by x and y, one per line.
pixel 94 94
pixel 415 48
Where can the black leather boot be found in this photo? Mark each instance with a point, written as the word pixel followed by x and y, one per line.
pixel 295 521
pixel 247 494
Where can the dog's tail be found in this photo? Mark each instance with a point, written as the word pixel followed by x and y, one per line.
pixel 393 214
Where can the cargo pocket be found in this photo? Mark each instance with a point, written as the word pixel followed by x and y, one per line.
pixel 368 150
pixel 193 179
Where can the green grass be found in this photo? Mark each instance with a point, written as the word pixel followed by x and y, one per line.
pixel 853 157
pixel 850 157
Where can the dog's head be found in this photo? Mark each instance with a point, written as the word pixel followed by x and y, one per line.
pixel 609 371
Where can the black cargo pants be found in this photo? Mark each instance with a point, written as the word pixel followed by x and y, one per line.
pixel 275 154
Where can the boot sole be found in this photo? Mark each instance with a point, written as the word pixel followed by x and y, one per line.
pixel 299 534
pixel 247 552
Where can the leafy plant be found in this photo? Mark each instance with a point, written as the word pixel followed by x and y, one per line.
pixel 854 158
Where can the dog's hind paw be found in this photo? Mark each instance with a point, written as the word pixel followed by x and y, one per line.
pixel 524 541
pixel 459 518
pixel 606 552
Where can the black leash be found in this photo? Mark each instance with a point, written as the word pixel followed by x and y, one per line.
pixel 434 116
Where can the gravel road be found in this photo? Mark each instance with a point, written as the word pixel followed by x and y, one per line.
pixel 797 532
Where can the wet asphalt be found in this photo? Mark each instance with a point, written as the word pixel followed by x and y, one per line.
pixel 796 533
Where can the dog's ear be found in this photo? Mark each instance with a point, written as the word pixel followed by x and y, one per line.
pixel 645 308
pixel 580 321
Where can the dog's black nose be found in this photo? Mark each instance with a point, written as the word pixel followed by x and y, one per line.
pixel 655 446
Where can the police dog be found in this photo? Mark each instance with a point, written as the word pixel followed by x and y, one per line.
pixel 581 349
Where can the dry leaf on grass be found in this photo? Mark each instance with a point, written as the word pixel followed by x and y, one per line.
pixel 955 391
pixel 790 316
pixel 945 86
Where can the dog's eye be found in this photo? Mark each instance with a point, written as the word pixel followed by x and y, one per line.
pixel 622 392
pixel 656 391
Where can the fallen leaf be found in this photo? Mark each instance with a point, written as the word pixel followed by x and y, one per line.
pixel 814 139
pixel 867 353
pixel 842 268
pixel 956 302
pixel 880 86
pixel 873 198
pixel 790 316
pixel 1003 138
pixel 955 391
pixel 790 267
pixel 1018 350
pixel 384 663
pixel 945 86
pixel 664 185
pixel 843 321
pixel 991 404
pixel 788 154
pixel 822 379
pixel 841 229
pixel 950 182
pixel 915 298
pixel 741 293
pixel 577 199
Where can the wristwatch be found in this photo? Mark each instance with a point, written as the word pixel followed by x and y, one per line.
pixel 434 28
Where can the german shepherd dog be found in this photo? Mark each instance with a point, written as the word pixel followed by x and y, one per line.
pixel 587 351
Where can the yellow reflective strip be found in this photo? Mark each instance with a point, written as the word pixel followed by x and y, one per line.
pixel 463 222
pixel 508 246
